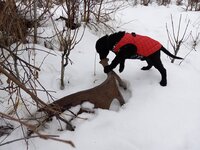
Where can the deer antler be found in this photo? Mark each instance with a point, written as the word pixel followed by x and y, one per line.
pixel 104 63
pixel 101 96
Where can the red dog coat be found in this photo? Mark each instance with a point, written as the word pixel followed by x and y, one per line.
pixel 145 45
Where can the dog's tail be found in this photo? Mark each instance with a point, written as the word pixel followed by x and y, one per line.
pixel 169 54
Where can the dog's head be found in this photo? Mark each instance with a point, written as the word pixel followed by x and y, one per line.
pixel 102 47
pixel 107 42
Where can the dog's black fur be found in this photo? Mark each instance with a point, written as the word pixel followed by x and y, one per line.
pixel 129 51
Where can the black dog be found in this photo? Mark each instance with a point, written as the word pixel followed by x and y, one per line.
pixel 133 46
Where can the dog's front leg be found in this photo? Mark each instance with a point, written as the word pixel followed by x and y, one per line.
pixel 121 67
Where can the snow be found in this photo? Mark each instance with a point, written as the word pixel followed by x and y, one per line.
pixel 154 117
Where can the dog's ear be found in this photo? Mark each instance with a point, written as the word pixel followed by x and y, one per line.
pixel 114 38
pixel 101 43
pixel 102 47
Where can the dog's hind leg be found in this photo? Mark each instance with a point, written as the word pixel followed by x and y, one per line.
pixel 163 73
pixel 156 62
pixel 158 65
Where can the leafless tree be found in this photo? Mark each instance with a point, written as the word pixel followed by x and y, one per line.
pixel 195 35
pixel 164 2
pixel 178 38
pixel 193 5
pixel 145 2
pixel 68 37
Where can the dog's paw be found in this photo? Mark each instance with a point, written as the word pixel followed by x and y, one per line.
pixel 163 83
pixel 121 68
pixel 146 68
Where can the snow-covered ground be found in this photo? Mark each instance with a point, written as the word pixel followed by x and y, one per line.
pixel 154 117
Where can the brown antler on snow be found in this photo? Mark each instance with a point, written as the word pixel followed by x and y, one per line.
pixel 101 96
